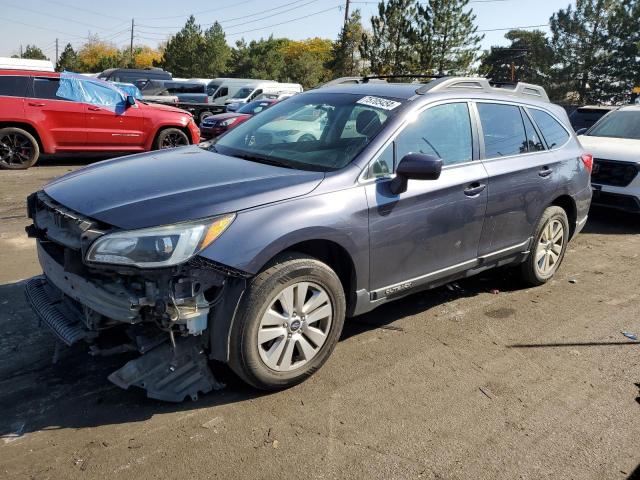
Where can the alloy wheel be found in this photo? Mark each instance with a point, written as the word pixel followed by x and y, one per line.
pixel 173 140
pixel 295 326
pixel 15 149
pixel 549 247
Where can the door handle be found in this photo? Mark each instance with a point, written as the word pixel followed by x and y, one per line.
pixel 36 104
pixel 545 172
pixel 474 189
pixel 93 109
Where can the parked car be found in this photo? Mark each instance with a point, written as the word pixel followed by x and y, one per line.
pixel 586 117
pixel 138 76
pixel 615 143
pixel 252 252
pixel 216 125
pixel 252 90
pixel 51 113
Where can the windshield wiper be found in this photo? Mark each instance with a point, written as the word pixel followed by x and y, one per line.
pixel 260 159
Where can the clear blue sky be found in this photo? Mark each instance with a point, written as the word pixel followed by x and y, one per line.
pixel 41 21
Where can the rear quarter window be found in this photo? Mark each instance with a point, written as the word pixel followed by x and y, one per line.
pixel 552 131
pixel 13 86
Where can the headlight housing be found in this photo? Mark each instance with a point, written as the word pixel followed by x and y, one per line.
pixel 157 247
pixel 228 121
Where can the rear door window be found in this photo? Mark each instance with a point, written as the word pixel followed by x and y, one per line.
pixel 554 133
pixel 13 86
pixel 502 129
pixel 534 142
pixel 46 88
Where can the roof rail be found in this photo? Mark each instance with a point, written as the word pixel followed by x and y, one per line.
pixel 520 89
pixel 415 75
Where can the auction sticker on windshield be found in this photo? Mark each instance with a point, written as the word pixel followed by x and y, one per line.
pixel 379 102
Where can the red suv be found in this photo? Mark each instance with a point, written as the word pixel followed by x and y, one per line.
pixel 53 112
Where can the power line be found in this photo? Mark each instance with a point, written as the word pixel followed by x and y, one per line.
pixel 22 8
pixel 217 9
pixel 222 21
pixel 93 12
pixel 513 28
pixel 285 22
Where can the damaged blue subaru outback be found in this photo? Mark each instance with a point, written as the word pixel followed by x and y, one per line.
pixel 253 249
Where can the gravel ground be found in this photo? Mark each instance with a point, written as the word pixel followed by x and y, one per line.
pixel 446 384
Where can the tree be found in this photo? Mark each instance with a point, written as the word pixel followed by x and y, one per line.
pixel 345 52
pixel 97 55
pixel 68 60
pixel 620 69
pixel 34 53
pixel 305 60
pixel 389 48
pixel 581 39
pixel 262 58
pixel 214 52
pixel 182 53
pixel 143 56
pixel 447 41
pixel 528 58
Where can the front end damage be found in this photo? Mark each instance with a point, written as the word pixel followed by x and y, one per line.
pixel 165 314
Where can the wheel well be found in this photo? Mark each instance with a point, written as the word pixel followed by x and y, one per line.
pixel 336 257
pixel 28 128
pixel 178 127
pixel 569 206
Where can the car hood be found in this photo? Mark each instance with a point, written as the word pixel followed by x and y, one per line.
pixel 623 149
pixel 224 116
pixel 164 107
pixel 175 185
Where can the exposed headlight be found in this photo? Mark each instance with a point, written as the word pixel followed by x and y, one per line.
pixel 158 246
pixel 227 122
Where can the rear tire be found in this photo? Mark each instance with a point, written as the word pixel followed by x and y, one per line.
pixel 19 150
pixel 170 138
pixel 548 249
pixel 204 115
pixel 288 323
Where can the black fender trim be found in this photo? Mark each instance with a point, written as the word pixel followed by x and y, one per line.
pixel 222 317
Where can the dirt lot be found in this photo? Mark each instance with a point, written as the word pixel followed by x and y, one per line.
pixel 526 383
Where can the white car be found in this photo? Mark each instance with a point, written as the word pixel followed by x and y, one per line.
pixel 306 124
pixel 614 143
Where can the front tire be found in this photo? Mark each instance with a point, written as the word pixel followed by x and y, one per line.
pixel 549 246
pixel 288 324
pixel 171 138
pixel 19 150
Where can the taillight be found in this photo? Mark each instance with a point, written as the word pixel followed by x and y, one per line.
pixel 587 159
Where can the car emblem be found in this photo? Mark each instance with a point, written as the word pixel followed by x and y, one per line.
pixel 295 325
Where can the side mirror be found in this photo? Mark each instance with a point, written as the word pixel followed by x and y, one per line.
pixel 130 101
pixel 581 131
pixel 416 166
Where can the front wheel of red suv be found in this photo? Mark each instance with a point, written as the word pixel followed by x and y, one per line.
pixel 171 138
pixel 19 150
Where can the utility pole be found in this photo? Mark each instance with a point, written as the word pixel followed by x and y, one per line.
pixel 56 51
pixel 20 50
pixel 346 13
pixel 131 50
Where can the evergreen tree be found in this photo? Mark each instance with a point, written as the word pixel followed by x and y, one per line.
pixel 619 70
pixel 262 58
pixel 182 54
pixel 345 52
pixel 581 42
pixel 528 58
pixel 215 53
pixel 448 41
pixel 34 53
pixel 389 48
pixel 68 60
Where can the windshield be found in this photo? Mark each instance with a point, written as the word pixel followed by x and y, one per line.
pixel 243 92
pixel 212 87
pixel 254 107
pixel 313 131
pixel 618 124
